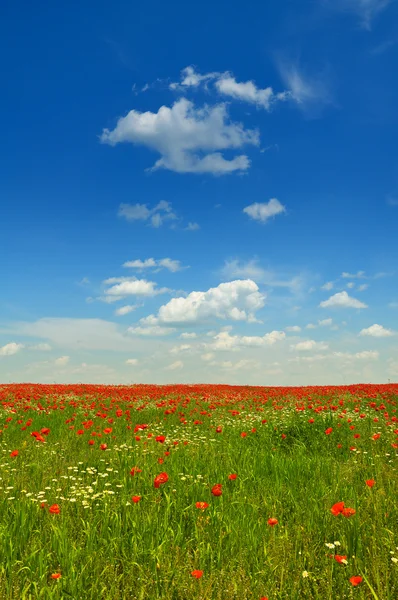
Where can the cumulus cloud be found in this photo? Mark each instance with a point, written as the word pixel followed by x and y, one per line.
pixel 132 361
pixel 364 355
pixel 131 286
pixel 264 211
pixel 309 345
pixel 357 275
pixel 189 140
pixel 235 300
pixel 325 322
pixel 188 335
pixel 180 348
pixel 377 331
pixel 125 310
pixel 178 364
pixel 225 341
pixel 327 286
pixel 152 330
pixel 227 85
pixel 293 328
pixel 342 300
pixel 150 263
pixel 10 349
pixel 155 216
pixel 62 361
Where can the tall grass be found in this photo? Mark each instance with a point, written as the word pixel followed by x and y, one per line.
pixel 105 546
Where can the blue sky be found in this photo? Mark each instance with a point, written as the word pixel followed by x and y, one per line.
pixel 199 195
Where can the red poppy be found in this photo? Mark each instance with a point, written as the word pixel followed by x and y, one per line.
pixel 370 482
pixel 311 420
pixel 356 435
pixel 160 479
pixel 272 522
pixel 135 470
pixel 263 598
pixel 218 429
pixel 329 430
pixel 216 490
pixel 348 512
pixel 108 430
pixel 337 508
pixel 14 453
pixel 55 575
pixel 232 477
pixel 198 574
pixel 160 460
pixel 136 499
pixel 243 434
pixel 356 580
pixel 45 431
pixel 54 509
pixel 91 442
pixel 103 446
pixel 80 432
pixel 340 559
pixel 202 505
pixel 375 436
pixel 283 436
pixel 160 438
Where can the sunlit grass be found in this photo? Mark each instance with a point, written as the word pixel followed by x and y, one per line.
pixel 106 546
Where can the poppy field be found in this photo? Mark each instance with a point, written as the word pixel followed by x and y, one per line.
pixel 198 492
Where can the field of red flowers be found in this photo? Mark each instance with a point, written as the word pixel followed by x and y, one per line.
pixel 198 492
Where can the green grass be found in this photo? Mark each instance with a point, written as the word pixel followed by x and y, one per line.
pixel 107 547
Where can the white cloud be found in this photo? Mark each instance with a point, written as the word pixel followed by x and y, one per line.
pixel 357 275
pixel 364 355
pixel 132 361
pixel 78 334
pixel 125 310
pixel 325 322
pixel 310 326
pixel 264 211
pixel 393 305
pixel 246 91
pixel 180 348
pixel 192 226
pixel 130 286
pixel 150 263
pixel 362 287
pixel 188 336
pixel 207 356
pixel 189 140
pixel 190 78
pixel 226 84
pixel 342 300
pixel 327 286
pixel 154 330
pixel 178 364
pixel 366 10
pixel 293 328
pixel 251 270
pixel 10 349
pixel 225 341
pixel 309 345
pixel 155 216
pixel 311 93
pixel 350 285
pixel 62 361
pixel 377 331
pixel 234 300
pixel 41 347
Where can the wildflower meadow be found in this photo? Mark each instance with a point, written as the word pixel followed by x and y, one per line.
pixel 198 492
